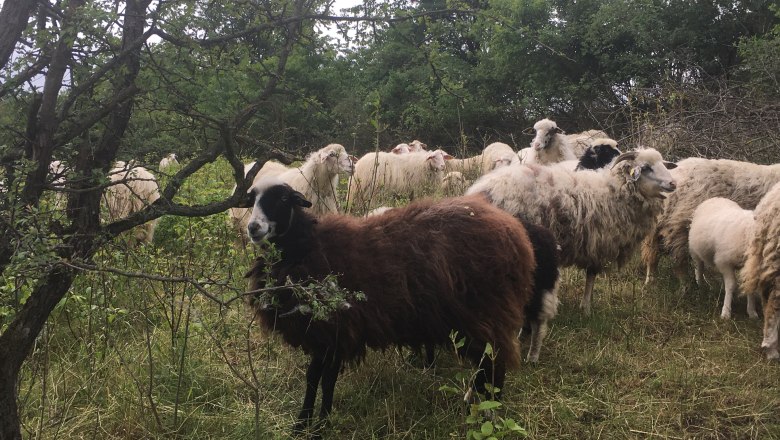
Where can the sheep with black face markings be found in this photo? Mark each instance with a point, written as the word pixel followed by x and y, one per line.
pixel 474 276
pixel 551 145
pixel 761 273
pixel 596 216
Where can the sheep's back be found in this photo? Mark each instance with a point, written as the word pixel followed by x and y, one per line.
pixel 594 219
pixel 425 269
pixel 720 231
pixel 700 179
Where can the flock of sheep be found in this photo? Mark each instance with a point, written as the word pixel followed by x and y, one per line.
pixel 480 262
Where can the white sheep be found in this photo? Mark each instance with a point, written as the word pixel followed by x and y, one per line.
pixel 134 188
pixel 551 145
pixel 416 146
pixel 453 184
pixel 494 156
pixel 597 217
pixel 698 180
pixel 317 179
pixel 718 238
pixel 470 167
pixel 379 173
pixel 401 149
pixel 761 273
pixel 168 161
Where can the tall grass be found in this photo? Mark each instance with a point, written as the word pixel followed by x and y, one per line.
pixel 127 357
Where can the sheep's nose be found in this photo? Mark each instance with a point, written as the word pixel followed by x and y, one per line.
pixel 253 228
pixel 672 185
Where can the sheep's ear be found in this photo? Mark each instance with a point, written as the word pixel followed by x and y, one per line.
pixel 299 199
pixel 670 165
pixel 448 157
pixel 635 173
pixel 324 156
pixel 353 158
pixel 557 130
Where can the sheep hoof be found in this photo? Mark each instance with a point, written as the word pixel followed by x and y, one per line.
pixel 725 315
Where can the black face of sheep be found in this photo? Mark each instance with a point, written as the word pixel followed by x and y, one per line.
pixel 273 211
pixel 597 156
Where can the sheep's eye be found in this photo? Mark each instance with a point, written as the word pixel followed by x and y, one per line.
pixel 646 167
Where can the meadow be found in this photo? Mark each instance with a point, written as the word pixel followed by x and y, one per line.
pixel 155 342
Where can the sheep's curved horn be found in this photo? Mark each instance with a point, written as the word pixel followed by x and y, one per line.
pixel 629 155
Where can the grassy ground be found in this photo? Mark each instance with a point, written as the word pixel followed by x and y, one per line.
pixel 135 358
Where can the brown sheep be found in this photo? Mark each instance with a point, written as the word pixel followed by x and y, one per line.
pixel 425 270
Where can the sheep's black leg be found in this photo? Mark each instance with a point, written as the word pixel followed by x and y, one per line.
pixel 332 367
pixel 313 375
pixel 491 372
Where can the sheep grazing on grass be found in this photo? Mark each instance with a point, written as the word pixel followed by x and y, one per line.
pixel 469 167
pixel 719 235
pixel 597 217
pixel 378 175
pixel 133 189
pixel 168 161
pixel 317 179
pixel 698 180
pixel 761 273
pixel 550 144
pixel 453 184
pixel 495 155
pixel 426 269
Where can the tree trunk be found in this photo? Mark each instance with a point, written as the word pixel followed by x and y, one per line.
pixel 13 21
pixel 18 339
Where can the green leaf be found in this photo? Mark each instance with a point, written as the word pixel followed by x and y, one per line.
pixel 487 428
pixel 488 405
